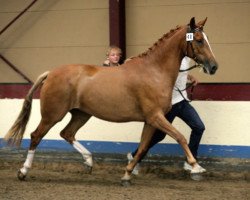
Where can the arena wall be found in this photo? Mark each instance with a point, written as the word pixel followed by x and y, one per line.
pixel 227 28
pixel 61 32
pixel 226 135
pixel 52 33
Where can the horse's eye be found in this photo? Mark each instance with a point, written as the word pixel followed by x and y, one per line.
pixel 199 41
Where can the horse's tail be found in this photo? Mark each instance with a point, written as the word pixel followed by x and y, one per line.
pixel 15 134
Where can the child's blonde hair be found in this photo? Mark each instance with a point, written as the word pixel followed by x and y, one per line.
pixel 113 47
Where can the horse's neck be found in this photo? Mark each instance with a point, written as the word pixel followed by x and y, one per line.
pixel 167 55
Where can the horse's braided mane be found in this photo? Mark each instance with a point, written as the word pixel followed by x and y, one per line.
pixel 159 41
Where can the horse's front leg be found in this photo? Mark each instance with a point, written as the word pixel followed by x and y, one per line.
pixel 146 137
pixel 160 122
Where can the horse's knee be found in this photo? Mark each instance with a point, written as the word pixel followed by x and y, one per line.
pixel 181 139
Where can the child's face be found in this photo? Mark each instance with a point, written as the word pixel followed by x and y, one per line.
pixel 114 56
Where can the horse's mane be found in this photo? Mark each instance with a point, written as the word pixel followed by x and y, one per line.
pixel 159 41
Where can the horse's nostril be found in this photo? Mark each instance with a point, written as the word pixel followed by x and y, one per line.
pixel 214 68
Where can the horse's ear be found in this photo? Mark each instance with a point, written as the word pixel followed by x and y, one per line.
pixel 192 23
pixel 202 23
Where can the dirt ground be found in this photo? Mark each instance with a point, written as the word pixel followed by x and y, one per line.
pixel 61 178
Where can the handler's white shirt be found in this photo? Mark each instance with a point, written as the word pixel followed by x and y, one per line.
pixel 181 82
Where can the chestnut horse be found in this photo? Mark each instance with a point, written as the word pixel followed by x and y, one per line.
pixel 139 90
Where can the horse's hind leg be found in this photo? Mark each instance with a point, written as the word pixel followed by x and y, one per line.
pixel 68 133
pixel 36 137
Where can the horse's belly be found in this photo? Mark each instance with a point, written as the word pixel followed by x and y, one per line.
pixel 110 114
pixel 112 108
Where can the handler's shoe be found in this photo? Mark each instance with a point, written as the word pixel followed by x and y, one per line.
pixel 137 166
pixel 188 167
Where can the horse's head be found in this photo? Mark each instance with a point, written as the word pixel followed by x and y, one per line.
pixel 199 48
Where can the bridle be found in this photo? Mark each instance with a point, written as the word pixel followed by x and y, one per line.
pixel 190 44
pixel 196 65
pixel 190 39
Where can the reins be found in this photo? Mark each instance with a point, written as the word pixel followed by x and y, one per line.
pixel 191 91
pixel 196 65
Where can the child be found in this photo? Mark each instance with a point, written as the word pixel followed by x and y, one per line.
pixel 113 56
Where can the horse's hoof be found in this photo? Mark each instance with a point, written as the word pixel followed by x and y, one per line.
pixel 126 183
pixel 88 169
pixel 196 176
pixel 20 176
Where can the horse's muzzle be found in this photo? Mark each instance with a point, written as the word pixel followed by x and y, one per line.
pixel 210 67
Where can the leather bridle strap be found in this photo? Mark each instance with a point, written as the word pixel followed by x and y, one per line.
pixel 196 65
pixel 189 43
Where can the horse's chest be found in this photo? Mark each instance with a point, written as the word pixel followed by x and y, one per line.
pixel 164 99
pixel 156 99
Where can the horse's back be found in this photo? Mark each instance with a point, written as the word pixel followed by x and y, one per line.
pixel 66 77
